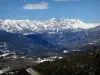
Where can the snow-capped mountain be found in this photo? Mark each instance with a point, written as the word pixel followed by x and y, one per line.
pixel 47 35
pixel 36 26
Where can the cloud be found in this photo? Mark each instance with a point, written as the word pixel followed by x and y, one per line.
pixel 65 0
pixel 42 5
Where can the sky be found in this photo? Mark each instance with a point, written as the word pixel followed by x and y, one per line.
pixel 85 10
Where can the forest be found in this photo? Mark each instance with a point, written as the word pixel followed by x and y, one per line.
pixel 87 63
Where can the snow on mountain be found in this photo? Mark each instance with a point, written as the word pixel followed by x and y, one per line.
pixel 3 55
pixel 34 26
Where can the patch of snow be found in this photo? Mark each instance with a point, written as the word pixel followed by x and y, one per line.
pixel 23 56
pixel 91 43
pixel 65 51
pixel 60 57
pixel 3 55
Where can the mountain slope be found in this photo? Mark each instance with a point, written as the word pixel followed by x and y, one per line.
pixel 21 43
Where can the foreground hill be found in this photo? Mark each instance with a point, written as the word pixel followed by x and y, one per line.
pixel 87 63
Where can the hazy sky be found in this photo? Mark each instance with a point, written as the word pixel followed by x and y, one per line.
pixel 85 10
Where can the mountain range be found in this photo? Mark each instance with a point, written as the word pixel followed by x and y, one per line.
pixel 36 37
